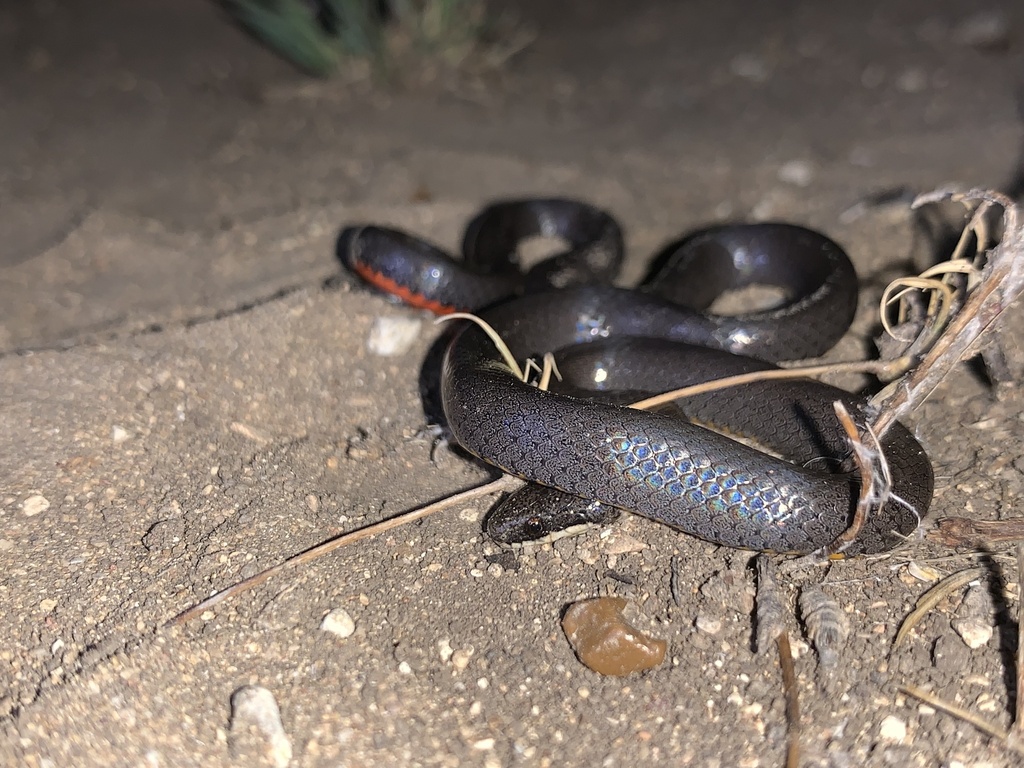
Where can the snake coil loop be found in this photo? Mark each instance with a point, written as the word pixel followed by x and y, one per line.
pixel 784 484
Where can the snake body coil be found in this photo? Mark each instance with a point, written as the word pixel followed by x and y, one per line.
pixel 793 492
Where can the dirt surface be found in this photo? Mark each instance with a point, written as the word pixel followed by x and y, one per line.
pixel 188 397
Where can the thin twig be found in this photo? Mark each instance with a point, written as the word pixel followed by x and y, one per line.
pixel 874 488
pixel 504 483
pixel 931 598
pixel 792 700
pixel 886 370
pixel 965 532
pixel 1017 731
pixel 493 335
pixel 771 627
pixel 949 708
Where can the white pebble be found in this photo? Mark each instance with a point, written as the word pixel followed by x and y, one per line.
pixel 974 632
pixel 35 504
pixel 444 649
pixel 708 625
pixel 392 336
pixel 339 622
pixel 799 173
pixel 893 729
pixel 587 555
pixel 619 543
pixel 118 434
pixel 254 713
pixel 461 657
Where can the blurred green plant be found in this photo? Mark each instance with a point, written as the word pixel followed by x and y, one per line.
pixel 317 36
pixel 314 36
pixel 448 29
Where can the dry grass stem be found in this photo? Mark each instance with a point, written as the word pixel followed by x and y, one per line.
pixel 1000 281
pixel 506 483
pixel 932 598
pixel 949 708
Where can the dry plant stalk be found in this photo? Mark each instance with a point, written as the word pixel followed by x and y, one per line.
pixel 931 598
pixel 954 532
pixel 1014 738
pixel 1001 280
pixel 770 616
pixel 1017 731
pixel 504 484
pixel 875 481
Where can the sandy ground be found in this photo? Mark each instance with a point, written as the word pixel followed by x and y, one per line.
pixel 187 395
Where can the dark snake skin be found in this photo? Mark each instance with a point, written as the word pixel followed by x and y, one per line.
pixel 621 344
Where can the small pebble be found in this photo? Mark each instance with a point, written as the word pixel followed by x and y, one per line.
pixel 605 642
pixel 35 504
pixel 799 173
pixel 619 543
pixel 461 657
pixel 587 555
pixel 974 632
pixel 256 727
pixel 118 434
pixel 444 649
pixel 708 625
pixel 986 703
pixel 391 336
pixel 338 622
pixel 977 617
pixel 893 729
